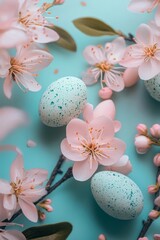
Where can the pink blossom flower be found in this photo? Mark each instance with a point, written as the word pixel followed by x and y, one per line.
pixel 105 108
pixel 34 23
pixel 145 54
pixel 22 190
pixel 123 166
pixel 11 34
pixel 104 64
pixel 10 234
pixel 22 68
pixel 142 144
pixel 90 144
pixel 155 130
pixel 145 6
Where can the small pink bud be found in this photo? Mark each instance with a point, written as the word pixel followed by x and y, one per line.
pixel 49 208
pixel 105 93
pixel 130 77
pixel 142 129
pixel 101 237
pixel 153 189
pixel 142 144
pixel 153 214
pixel 47 201
pixel 155 130
pixel 156 160
pixel 156 236
pixel 41 215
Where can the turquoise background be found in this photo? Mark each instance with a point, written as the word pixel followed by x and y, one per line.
pixel 73 200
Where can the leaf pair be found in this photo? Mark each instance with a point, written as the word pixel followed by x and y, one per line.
pixel 58 231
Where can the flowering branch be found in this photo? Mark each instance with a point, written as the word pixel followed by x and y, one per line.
pixel 149 221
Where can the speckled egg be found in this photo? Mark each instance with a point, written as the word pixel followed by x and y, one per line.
pixel 117 195
pixel 153 87
pixel 63 100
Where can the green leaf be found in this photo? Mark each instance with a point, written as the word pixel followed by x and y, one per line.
pixel 65 41
pixel 93 27
pixel 58 231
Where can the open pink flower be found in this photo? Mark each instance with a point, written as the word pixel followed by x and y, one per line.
pixel 32 20
pixel 10 234
pixel 145 54
pixel 105 108
pixel 22 68
pixel 22 190
pixel 104 64
pixel 91 144
pixel 145 6
pixel 11 34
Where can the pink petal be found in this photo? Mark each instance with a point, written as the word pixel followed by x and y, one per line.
pixel 11 118
pixel 34 195
pixel 91 76
pixel 44 34
pixel 140 5
pixel 102 129
pixel 123 166
pixel 157 201
pixel 157 16
pixel 10 202
pixel 130 77
pixel 105 108
pixel 88 112
pixel 12 38
pixel 117 125
pixel 3 213
pixel 82 171
pixel 76 131
pixel 13 235
pixel 149 69
pixel 133 57
pixel 28 209
pixel 71 153
pixel 27 81
pixel 113 150
pixel 144 35
pixel 17 169
pixel 7 86
pixel 35 176
pixel 35 59
pixel 5 187
pixel 156 236
pixel 116 52
pixel 4 63
pixel 114 81
pixel 31 143
pixel 93 55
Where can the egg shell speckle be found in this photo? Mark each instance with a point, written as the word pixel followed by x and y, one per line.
pixel 63 100
pixel 153 87
pixel 117 195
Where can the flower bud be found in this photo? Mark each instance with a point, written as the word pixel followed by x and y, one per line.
pixel 143 238
pixel 153 214
pixel 155 130
pixel 41 215
pixel 142 144
pixel 153 189
pixel 58 2
pixel 101 237
pixel 142 129
pixel 105 93
pixel 156 236
pixel 156 160
pixel 157 201
pixel 130 77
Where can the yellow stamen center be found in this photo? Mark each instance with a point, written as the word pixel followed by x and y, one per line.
pixel 104 66
pixel 150 51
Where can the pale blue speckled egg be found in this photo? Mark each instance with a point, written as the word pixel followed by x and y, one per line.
pixel 153 87
pixel 63 100
pixel 117 195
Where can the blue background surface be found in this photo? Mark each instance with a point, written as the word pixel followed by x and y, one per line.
pixel 73 201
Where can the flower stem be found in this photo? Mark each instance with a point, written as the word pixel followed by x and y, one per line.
pixel 55 171
pixel 129 38
pixel 149 221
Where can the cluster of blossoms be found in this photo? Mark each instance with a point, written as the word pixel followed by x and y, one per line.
pixel 91 142
pixel 23 27
pixel 143 142
pixel 118 66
